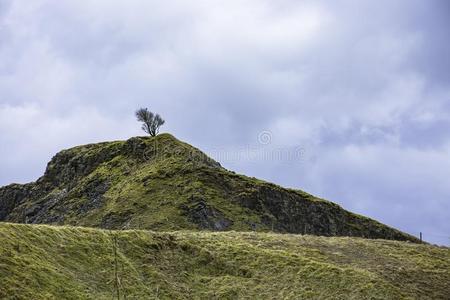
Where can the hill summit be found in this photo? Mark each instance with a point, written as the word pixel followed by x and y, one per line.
pixel 161 183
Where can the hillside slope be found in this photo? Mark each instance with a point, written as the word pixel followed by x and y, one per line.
pixel 161 183
pixel 48 262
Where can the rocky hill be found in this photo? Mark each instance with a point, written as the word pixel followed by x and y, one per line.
pixel 60 262
pixel 161 183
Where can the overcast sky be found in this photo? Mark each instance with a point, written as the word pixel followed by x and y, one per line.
pixel 348 100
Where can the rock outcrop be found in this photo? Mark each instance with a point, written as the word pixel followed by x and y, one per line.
pixel 161 183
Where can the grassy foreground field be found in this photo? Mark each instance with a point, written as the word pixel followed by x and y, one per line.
pixel 51 262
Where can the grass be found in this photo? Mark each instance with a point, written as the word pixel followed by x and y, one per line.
pixel 63 262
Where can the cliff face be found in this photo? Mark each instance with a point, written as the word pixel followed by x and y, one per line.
pixel 161 183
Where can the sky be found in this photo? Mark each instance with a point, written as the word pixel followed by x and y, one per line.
pixel 348 100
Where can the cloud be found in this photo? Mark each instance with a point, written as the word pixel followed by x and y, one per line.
pixel 361 87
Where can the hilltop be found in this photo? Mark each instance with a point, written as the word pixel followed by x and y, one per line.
pixel 48 262
pixel 161 183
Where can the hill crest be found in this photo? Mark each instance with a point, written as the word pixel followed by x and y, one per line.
pixel 161 183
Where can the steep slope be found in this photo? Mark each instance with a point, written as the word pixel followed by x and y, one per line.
pixel 46 262
pixel 161 183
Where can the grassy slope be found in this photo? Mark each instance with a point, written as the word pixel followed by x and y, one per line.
pixel 46 262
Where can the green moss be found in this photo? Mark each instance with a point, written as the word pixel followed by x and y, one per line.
pixel 45 262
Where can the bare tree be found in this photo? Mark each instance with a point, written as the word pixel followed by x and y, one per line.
pixel 151 122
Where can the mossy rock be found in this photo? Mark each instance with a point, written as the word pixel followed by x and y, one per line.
pixel 150 183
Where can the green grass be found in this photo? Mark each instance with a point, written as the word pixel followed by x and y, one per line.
pixel 61 262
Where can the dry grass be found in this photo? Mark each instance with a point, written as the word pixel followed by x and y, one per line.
pixel 50 262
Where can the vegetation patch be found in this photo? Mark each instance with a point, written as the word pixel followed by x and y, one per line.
pixel 61 262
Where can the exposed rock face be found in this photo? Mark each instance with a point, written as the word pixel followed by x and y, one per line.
pixel 205 216
pixel 161 183
pixel 12 196
pixel 293 213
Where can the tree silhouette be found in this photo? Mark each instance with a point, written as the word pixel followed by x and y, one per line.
pixel 151 122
